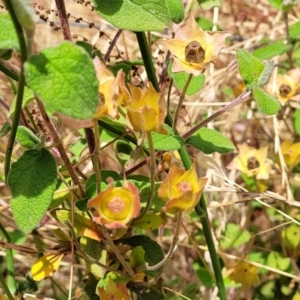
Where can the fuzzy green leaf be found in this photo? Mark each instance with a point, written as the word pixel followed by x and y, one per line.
pixel 250 67
pixel 271 50
pixel 295 31
pixel 165 142
pixel 208 4
pixel 180 79
pixel 209 141
pixel 234 236
pixel 25 13
pixel 32 180
pixel 8 37
pixel 27 138
pixel 136 15
pixel 65 79
pixel 267 103
pixel 176 10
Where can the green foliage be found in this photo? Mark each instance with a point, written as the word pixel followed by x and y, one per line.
pixel 294 31
pixel 8 37
pixel 181 78
pixel 32 180
pixel 27 138
pixel 164 142
pixel 234 236
pixel 271 50
pixel 209 141
pixel 208 4
pixel 176 10
pixel 64 78
pixel 136 15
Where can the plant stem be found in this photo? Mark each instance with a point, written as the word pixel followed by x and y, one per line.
pixel 59 146
pixel 146 55
pixel 245 96
pixel 181 98
pixel 112 44
pixel 152 177
pixel 116 252
pixel 19 100
pixel 61 9
pixel 96 154
pixel 167 258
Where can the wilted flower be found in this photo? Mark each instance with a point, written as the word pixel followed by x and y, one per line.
pixel 146 110
pixel 245 273
pixel 252 162
pixel 115 207
pixel 181 189
pixel 113 291
pixel 194 48
pixel 286 86
pixel 291 153
pixel 112 90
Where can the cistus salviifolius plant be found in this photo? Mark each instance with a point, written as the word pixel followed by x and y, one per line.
pixel 150 149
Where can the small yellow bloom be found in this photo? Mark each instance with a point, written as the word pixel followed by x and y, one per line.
pixel 115 207
pixel 245 273
pixel 286 86
pixel 194 48
pixel 181 189
pixel 291 153
pixel 252 162
pixel 146 110
pixel 112 90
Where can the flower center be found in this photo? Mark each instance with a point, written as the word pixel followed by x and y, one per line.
pixel 194 52
pixel 252 163
pixel 116 205
pixel 184 186
pixel 284 90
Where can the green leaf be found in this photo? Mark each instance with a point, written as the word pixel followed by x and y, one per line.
pixel 165 142
pixel 295 31
pixel 206 24
pixel 123 151
pixel 25 13
pixel 266 74
pixel 234 236
pixel 153 252
pixel 276 3
pixel 176 10
pixel 250 67
pixel 65 79
pixel 5 129
pixel 27 138
pixel 149 222
pixel 209 141
pixel 267 103
pixel 32 180
pixel 296 120
pixel 27 98
pixel 208 4
pixel 277 261
pixel 180 79
pixel 271 50
pixel 137 257
pixel 8 37
pixel 136 15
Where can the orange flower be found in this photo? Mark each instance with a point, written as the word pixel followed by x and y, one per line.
pixel 146 110
pixel 252 162
pixel 112 90
pixel 291 153
pixel 113 291
pixel 194 48
pixel 181 189
pixel 285 87
pixel 244 273
pixel 115 207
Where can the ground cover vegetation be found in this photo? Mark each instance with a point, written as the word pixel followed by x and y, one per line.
pixel 150 149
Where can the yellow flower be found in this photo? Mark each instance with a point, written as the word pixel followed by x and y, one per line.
pixel 112 90
pixel 291 153
pixel 252 162
pixel 115 207
pixel 181 189
pixel 285 86
pixel 244 273
pixel 113 291
pixel 194 48
pixel 146 110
